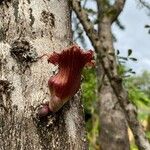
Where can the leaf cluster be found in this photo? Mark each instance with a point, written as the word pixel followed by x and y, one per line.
pixel 122 69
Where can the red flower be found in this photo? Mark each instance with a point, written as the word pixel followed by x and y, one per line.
pixel 66 82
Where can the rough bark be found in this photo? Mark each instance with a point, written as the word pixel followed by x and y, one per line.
pixel 114 133
pixel 30 29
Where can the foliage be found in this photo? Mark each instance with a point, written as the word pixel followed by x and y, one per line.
pixel 148 27
pixel 90 103
pixel 143 82
pixel 89 88
pixel 139 93
pixel 123 70
pixel 138 88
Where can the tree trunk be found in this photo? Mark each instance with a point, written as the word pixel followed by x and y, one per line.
pixel 113 134
pixel 30 29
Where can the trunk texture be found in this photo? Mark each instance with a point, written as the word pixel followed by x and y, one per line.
pixel 28 29
pixel 113 134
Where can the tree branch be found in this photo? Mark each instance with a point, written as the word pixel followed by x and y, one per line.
pixel 104 8
pixel 103 5
pixel 145 4
pixel 130 111
pixel 116 9
pixel 85 21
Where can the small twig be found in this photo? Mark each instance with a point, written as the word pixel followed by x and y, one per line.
pixel 145 4
pixel 116 9
pixel 88 26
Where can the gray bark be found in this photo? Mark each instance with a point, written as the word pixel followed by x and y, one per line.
pixel 29 29
pixel 114 133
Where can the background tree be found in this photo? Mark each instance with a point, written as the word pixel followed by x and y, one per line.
pixel 139 98
pixel 29 29
pixel 110 85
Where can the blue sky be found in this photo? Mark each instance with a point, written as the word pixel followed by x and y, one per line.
pixel 135 36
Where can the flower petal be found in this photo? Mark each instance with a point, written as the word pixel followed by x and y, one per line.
pixel 67 81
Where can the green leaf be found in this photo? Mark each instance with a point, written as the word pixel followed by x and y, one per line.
pixel 122 62
pixel 118 52
pixel 148 134
pixel 130 70
pixel 123 58
pixel 133 72
pixel 133 59
pixel 147 26
pixel 129 52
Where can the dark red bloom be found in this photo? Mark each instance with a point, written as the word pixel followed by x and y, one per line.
pixel 66 82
